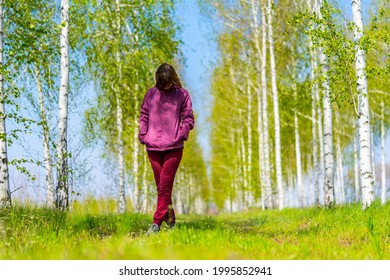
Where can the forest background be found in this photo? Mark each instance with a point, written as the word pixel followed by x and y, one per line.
pixel 212 44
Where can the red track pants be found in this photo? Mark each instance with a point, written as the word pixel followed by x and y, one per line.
pixel 164 165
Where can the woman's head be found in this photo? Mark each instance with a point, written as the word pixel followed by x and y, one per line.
pixel 166 76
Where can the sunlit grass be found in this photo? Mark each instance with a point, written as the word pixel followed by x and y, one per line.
pixel 341 233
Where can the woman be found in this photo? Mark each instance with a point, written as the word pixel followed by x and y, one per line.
pixel 165 122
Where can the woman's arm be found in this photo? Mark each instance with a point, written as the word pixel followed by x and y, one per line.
pixel 187 117
pixel 144 119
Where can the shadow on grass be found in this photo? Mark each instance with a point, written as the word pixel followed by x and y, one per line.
pixel 106 225
pixel 247 226
pixel 253 226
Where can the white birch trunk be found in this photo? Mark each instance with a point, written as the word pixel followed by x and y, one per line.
pixel 328 128
pixel 178 203
pixel 120 157
pixel 136 203
pixel 373 156
pixel 239 175
pixel 145 187
pixel 340 170
pixel 190 194
pixel 260 123
pixel 268 202
pixel 249 147
pixel 320 125
pixel 119 118
pixel 290 180
pixel 298 157
pixel 5 193
pixel 186 197
pixel 314 100
pixel 62 201
pixel 288 198
pixel 261 146
pixel 178 198
pixel 199 207
pixel 314 129
pixel 240 191
pixel 232 188
pixel 356 163
pixel 137 194
pixel 308 196
pixel 328 136
pixel 48 164
pixel 366 173
pixel 278 157
pixel 383 154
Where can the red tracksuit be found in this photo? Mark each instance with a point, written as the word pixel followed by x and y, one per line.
pixel 165 121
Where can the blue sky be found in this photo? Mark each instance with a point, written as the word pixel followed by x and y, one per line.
pixel 200 53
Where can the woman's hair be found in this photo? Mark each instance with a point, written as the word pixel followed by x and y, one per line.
pixel 166 75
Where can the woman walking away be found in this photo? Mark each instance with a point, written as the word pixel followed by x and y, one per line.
pixel 165 122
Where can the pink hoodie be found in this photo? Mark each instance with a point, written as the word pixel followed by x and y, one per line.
pixel 166 119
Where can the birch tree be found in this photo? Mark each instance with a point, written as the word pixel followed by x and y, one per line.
pixel 119 116
pixel 136 201
pixel 328 125
pixel 366 175
pixel 314 100
pixel 340 172
pixel 5 194
pixel 260 124
pixel 268 203
pixel 62 200
pixel 356 163
pixel 383 155
pixel 278 157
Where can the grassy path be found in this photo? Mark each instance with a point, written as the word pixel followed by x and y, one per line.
pixel 308 234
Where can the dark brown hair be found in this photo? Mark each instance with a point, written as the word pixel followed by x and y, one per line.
pixel 166 75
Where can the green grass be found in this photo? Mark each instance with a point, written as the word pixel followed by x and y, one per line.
pixel 308 234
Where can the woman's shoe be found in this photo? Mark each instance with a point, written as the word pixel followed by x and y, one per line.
pixel 153 229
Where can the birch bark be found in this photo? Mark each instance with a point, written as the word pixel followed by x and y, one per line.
pixel 340 170
pixel 356 163
pixel 278 158
pixel 62 201
pixel 373 156
pixel 5 194
pixel 383 154
pixel 268 201
pixel 136 203
pixel 119 117
pixel 314 100
pixel 314 126
pixel 240 191
pixel 262 124
pixel 366 173
pixel 328 129
pixel 249 146
pixel 320 125
pixel 145 187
